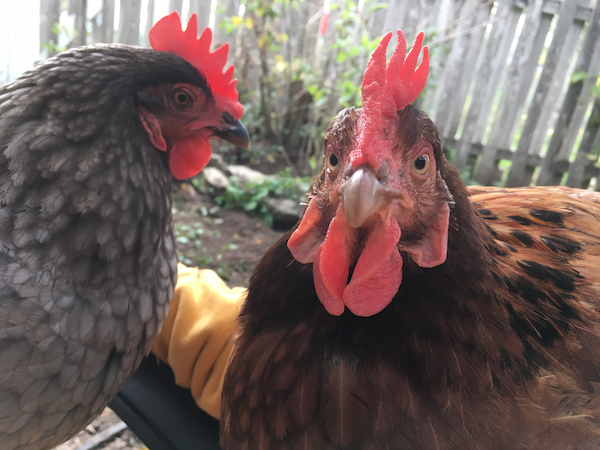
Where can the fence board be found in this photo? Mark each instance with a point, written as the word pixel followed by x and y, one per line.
pixel 482 72
pixel 149 21
pixel 494 61
pixel 520 173
pixel 49 15
pixel 108 20
pixel 129 22
pixel 586 152
pixel 79 9
pixel 452 75
pixel 578 93
pixel 518 83
pixel 202 10
pixel 477 39
pixel 555 94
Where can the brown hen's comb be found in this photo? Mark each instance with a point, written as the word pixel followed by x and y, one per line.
pixel 399 81
pixel 167 35
pixel 386 89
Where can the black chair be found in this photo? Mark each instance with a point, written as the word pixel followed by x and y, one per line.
pixel 163 415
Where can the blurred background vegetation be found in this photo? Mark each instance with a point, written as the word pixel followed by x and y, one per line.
pixel 510 80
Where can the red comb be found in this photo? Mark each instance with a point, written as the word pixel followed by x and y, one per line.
pixel 399 80
pixel 167 35
pixel 387 89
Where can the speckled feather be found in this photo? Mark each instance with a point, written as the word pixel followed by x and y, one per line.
pixel 498 348
pixel 87 251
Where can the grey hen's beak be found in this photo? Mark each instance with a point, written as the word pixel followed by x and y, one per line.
pixel 235 133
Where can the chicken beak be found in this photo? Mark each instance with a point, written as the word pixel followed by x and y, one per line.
pixel 365 193
pixel 236 134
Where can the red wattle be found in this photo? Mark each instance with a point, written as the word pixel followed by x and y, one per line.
pixel 331 265
pixel 378 272
pixel 188 157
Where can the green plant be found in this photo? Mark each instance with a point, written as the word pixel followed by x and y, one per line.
pixel 302 86
pixel 59 30
pixel 578 76
pixel 250 196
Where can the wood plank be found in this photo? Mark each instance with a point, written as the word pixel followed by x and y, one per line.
pixel 49 15
pixel 439 19
pixel 129 22
pixel 555 95
pixel 97 25
pixel 450 83
pixel 202 10
pixel 589 171
pixel 577 98
pixel 519 174
pixel 439 53
pixel 108 20
pixel 469 73
pixel 520 78
pixel 175 5
pixel 150 20
pixel 488 78
pixel 587 152
pixel 394 18
pixel 410 20
pixel 79 9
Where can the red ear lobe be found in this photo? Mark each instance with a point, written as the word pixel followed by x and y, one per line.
pixel 305 241
pixel 432 251
pixel 150 123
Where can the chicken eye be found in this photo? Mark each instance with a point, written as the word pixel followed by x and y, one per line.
pixel 181 98
pixel 332 162
pixel 421 164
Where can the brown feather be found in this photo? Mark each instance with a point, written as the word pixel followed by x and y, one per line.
pixel 497 348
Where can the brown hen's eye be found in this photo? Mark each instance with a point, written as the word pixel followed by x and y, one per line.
pixel 332 161
pixel 421 164
pixel 182 98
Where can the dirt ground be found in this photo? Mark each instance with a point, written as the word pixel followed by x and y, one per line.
pixel 229 242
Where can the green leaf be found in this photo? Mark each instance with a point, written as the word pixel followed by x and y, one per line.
pixel 579 76
pixel 250 206
pixel 377 7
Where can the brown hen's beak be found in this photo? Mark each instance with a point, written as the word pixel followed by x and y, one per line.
pixel 365 192
pixel 236 134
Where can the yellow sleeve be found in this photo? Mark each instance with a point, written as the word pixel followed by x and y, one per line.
pixel 195 339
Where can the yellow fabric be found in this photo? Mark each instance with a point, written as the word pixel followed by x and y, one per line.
pixel 196 337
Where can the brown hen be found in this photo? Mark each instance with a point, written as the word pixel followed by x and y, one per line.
pixel 473 325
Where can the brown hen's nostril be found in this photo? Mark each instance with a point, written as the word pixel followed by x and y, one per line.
pixel 383 171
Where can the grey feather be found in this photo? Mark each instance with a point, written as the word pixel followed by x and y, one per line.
pixel 87 254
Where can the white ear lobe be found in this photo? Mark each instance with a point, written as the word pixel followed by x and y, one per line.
pixel 432 251
pixel 152 127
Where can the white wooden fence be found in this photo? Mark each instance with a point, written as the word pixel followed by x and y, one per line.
pixel 501 87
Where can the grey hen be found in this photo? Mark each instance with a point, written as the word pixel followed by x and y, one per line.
pixel 89 140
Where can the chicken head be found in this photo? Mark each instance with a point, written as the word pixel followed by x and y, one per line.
pixel 386 199
pixel 182 118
